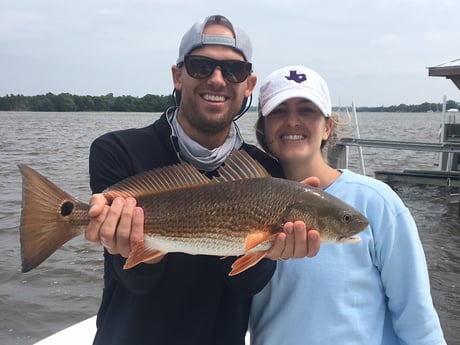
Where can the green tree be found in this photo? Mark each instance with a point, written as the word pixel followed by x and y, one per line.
pixel 452 105
pixel 64 102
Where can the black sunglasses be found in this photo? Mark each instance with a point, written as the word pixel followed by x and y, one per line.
pixel 201 67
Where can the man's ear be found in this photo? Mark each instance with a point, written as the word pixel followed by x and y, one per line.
pixel 251 82
pixel 177 76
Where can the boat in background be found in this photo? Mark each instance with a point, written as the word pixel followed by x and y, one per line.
pixel 83 331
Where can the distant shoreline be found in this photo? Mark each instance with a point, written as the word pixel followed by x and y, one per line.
pixel 66 102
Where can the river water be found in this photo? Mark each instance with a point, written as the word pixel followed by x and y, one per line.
pixel 67 287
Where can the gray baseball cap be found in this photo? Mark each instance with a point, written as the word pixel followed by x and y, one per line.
pixel 194 38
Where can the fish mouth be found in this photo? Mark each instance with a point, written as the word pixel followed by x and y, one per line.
pixel 348 239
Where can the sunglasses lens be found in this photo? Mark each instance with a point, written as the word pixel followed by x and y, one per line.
pixel 236 71
pixel 200 67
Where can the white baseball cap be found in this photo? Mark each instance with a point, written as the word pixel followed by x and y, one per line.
pixel 294 82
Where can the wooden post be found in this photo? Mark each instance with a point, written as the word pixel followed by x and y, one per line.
pixel 337 156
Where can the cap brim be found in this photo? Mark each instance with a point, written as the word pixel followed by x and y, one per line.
pixel 284 95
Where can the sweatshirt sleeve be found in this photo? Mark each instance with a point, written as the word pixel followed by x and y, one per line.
pixel 400 258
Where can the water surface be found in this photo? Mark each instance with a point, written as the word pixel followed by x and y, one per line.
pixel 67 287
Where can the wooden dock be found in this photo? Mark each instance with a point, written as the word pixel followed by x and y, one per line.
pixel 448 173
pixel 428 177
pixel 448 177
pixel 402 145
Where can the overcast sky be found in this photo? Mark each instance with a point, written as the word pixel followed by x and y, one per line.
pixel 375 52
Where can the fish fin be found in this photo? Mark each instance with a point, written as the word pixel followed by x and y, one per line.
pixel 256 238
pixel 167 178
pixel 45 218
pixel 141 253
pixel 250 259
pixel 238 166
pixel 246 261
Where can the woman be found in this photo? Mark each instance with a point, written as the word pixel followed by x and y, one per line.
pixel 374 292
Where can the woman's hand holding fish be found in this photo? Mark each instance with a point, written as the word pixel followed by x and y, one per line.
pixel 296 241
pixel 117 227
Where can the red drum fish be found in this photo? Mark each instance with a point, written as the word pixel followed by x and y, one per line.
pixel 239 212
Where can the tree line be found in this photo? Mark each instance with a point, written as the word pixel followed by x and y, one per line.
pixel 153 103
pixel 413 108
pixel 66 102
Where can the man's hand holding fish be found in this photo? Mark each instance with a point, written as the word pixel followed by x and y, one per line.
pixel 117 227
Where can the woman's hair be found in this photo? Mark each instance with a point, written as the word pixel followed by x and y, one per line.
pixel 260 131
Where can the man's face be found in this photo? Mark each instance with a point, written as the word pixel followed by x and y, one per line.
pixel 209 105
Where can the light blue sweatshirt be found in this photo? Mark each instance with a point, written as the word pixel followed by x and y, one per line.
pixel 371 293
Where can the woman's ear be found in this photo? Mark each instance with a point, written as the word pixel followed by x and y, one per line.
pixel 328 128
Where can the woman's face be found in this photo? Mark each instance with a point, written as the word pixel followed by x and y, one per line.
pixel 295 129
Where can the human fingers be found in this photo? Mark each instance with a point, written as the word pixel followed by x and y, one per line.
pixel 108 230
pixel 314 242
pixel 312 181
pixel 97 212
pixel 92 231
pixel 277 247
pixel 137 231
pixel 289 243
pixel 96 204
pixel 300 249
pixel 123 231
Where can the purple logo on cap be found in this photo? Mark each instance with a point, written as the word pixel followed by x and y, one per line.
pixel 298 78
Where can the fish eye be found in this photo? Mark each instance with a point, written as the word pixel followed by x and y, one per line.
pixel 346 218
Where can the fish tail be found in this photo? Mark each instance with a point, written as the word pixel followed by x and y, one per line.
pixel 50 217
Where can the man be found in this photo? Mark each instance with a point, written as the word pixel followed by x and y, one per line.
pixel 180 298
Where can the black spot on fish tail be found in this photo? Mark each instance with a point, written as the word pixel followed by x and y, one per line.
pixel 67 208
